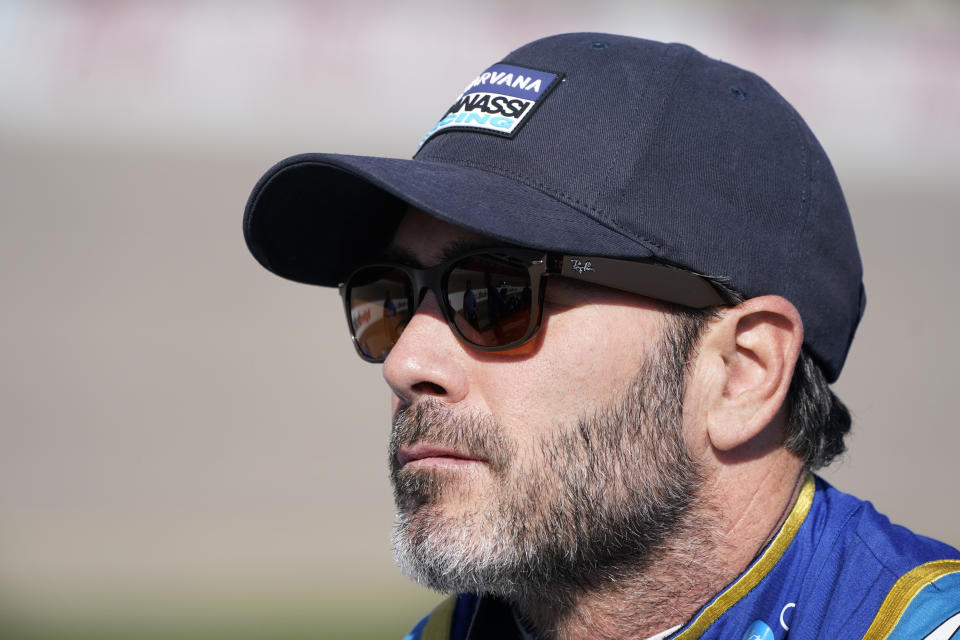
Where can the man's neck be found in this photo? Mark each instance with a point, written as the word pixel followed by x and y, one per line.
pixel 637 602
pixel 703 556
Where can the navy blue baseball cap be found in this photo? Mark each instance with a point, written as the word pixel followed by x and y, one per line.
pixel 601 145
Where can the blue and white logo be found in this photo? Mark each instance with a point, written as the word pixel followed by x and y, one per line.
pixel 758 630
pixel 945 631
pixel 497 101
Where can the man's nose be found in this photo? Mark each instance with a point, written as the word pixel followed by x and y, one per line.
pixel 427 360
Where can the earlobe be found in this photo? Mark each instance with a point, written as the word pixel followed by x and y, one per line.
pixel 755 347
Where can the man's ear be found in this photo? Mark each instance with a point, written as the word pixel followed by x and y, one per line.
pixel 749 355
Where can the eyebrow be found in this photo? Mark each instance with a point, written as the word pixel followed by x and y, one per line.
pixel 450 251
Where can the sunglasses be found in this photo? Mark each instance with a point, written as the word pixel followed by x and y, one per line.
pixel 493 298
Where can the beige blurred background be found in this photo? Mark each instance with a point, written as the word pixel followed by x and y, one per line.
pixel 189 446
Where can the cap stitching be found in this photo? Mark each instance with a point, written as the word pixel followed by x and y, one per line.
pixel 806 191
pixel 806 172
pixel 681 60
pixel 598 215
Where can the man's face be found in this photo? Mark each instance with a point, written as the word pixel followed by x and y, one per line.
pixel 543 466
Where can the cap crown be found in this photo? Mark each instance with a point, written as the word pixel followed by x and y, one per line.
pixel 692 160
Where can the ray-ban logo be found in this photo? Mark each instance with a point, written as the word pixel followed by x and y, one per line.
pixel 580 267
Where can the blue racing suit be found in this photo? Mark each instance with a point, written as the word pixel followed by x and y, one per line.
pixel 837 569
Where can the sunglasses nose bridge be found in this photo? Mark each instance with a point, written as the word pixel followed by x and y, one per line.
pixel 421 293
pixel 423 281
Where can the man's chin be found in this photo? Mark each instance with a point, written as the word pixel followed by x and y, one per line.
pixel 450 550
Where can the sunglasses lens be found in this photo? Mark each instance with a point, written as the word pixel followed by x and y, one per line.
pixel 491 299
pixel 379 303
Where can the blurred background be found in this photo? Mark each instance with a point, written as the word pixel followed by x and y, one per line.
pixel 190 448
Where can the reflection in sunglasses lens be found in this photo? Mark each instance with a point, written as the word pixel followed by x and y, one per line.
pixel 379 309
pixel 491 299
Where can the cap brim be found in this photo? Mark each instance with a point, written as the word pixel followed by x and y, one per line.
pixel 314 217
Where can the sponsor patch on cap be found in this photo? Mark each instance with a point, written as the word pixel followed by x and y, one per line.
pixel 498 101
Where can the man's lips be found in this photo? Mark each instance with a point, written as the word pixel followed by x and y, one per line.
pixel 431 453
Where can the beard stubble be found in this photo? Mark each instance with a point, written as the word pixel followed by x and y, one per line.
pixel 588 502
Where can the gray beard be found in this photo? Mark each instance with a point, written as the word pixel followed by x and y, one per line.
pixel 590 507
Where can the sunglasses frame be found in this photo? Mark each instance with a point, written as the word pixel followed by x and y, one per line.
pixel 643 277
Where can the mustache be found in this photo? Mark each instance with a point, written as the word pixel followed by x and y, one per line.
pixel 478 435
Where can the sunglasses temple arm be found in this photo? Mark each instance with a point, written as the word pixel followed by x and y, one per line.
pixel 650 279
